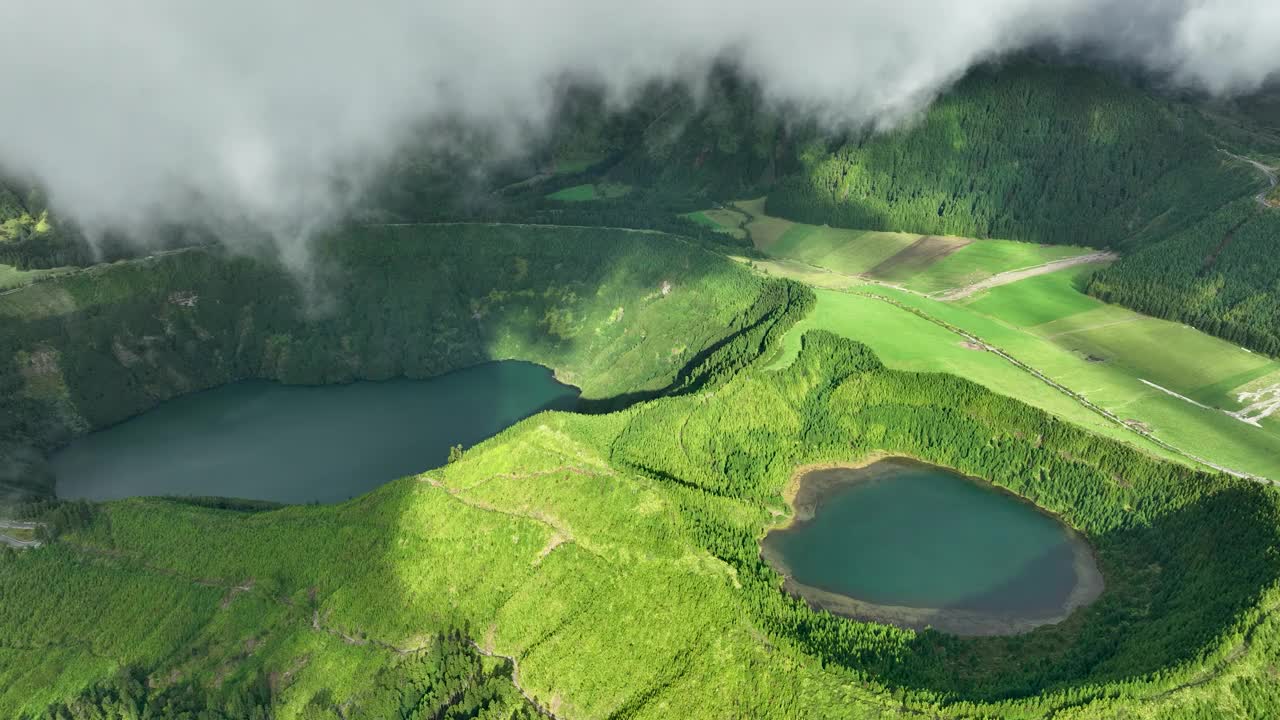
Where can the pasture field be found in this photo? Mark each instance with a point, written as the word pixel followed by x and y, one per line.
pixel 590 191
pixel 973 261
pixel 1104 352
pixel 905 341
pixel 1191 363
pixel 11 277
pixel 908 342
pixel 922 263
pixel 726 220
pixel 1117 386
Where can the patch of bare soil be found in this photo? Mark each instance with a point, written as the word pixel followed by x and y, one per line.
pixel 918 256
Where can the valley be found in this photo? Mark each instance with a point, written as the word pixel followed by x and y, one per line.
pixel 695 407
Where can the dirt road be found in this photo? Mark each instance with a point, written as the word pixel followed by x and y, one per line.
pixel 1269 172
pixel 1011 276
pixel 14 542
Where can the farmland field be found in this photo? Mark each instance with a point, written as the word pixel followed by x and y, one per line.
pixel 926 264
pixel 909 342
pixel 726 220
pixel 1191 363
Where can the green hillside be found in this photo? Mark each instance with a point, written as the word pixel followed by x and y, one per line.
pixel 1025 152
pixel 1219 275
pixel 622 315
pixel 615 559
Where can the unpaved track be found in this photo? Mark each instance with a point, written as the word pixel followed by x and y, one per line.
pixel 1012 276
pixel 14 542
pixel 1270 172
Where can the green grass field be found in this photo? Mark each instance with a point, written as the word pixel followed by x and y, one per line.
pixel 726 220
pixel 906 341
pixel 590 191
pixel 919 263
pixel 11 277
pixel 1102 351
pixel 1172 355
pixel 978 260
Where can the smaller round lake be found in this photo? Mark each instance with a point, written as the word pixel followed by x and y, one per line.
pixel 264 441
pixel 916 545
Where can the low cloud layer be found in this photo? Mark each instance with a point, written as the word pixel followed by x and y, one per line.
pixel 272 114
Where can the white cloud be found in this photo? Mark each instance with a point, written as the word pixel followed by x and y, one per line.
pixel 136 110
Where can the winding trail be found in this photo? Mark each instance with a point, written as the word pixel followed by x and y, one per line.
pixel 1270 174
pixel 14 542
pixel 1012 276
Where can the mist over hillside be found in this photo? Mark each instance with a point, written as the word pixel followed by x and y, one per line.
pixel 138 115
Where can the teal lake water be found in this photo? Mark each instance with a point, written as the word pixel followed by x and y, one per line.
pixel 265 441
pixel 906 534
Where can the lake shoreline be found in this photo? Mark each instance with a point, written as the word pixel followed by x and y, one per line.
pixel 804 492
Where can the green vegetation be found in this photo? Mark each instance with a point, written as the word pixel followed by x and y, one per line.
pixel 925 264
pixel 11 277
pixel 1026 152
pixel 590 191
pixel 1218 275
pixel 607 564
pixel 550 543
pixel 619 314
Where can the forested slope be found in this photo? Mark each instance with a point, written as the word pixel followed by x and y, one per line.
pixel 1024 152
pixel 620 314
pixel 1221 275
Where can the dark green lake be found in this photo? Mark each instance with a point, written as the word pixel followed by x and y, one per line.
pixel 291 444
pixel 913 544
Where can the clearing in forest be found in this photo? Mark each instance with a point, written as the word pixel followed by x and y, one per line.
pixel 925 264
pixel 590 191
pixel 727 220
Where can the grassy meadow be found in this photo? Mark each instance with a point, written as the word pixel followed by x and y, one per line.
pixel 1101 351
pixel 921 263
pixel 11 277
pixel 1024 319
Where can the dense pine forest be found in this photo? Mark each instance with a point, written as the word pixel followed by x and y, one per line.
pixel 1033 153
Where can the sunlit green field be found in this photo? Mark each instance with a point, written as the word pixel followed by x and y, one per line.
pixel 1168 354
pixel 905 341
pixel 977 261
pixel 925 264
pixel 12 277
pixel 909 342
